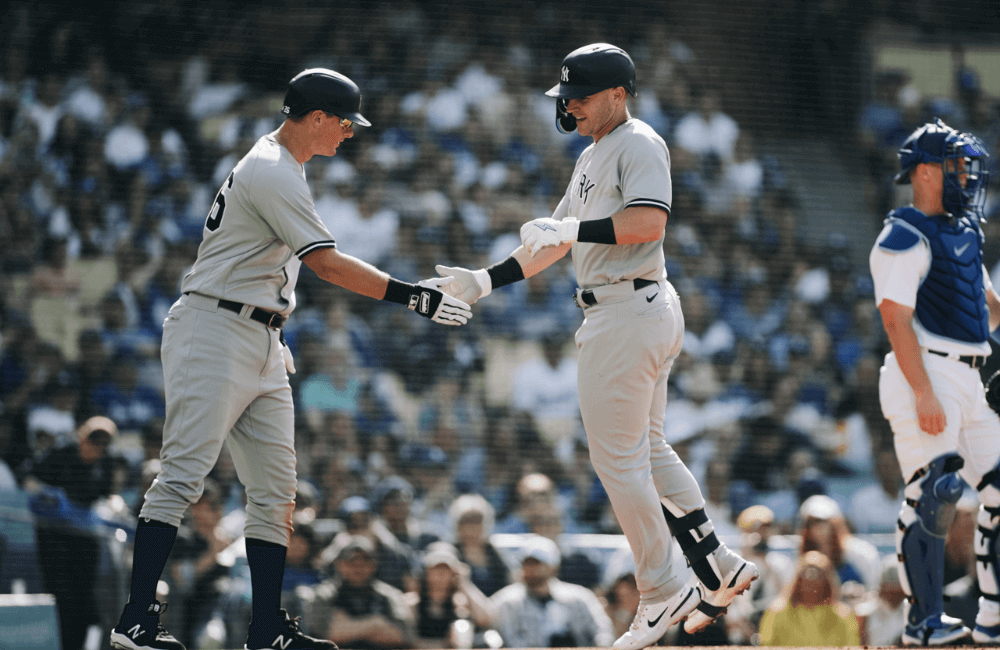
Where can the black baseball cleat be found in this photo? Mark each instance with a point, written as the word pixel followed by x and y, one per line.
pixel 146 634
pixel 290 637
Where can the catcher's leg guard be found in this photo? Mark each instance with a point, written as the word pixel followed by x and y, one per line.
pixel 927 511
pixel 988 556
pixel 696 536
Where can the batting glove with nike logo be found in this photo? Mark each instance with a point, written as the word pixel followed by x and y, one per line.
pixel 543 233
pixel 468 286
pixel 431 302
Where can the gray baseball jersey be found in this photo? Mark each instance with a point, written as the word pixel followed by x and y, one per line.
pixel 224 373
pixel 628 343
pixel 630 166
pixel 262 224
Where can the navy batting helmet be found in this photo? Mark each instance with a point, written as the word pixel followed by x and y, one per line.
pixel 588 70
pixel 936 142
pixel 325 90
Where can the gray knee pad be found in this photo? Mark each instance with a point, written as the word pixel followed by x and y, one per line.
pixel 927 512
pixel 696 536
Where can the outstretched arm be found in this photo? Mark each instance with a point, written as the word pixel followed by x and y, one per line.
pixel 469 286
pixel 358 276
pixel 633 225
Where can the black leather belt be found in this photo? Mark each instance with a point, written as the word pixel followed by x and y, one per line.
pixel 972 361
pixel 269 318
pixel 588 298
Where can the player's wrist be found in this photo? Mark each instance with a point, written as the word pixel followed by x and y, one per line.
pixel 399 292
pixel 485 282
pixel 506 272
pixel 598 231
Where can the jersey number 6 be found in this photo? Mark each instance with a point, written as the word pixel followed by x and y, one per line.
pixel 219 207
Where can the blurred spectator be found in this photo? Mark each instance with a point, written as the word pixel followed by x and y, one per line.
pixel 394 562
pixel 52 277
pixel 447 606
pixel 619 591
pixel 8 483
pixel 875 507
pixel 88 370
pixel 393 497
pixel 429 470
pixel 541 611
pixel 495 470
pixel 707 129
pixel 704 333
pixel 810 614
pixel 777 569
pixel 354 609
pixel 544 388
pixel 335 387
pixel 575 565
pixel 472 521
pixel 69 551
pixel 823 528
pixel 450 418
pixel 883 618
pixel 196 570
pixel 122 396
pixel 536 493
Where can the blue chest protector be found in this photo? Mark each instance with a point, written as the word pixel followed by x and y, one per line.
pixel 951 301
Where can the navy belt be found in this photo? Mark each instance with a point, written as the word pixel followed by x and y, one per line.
pixel 268 318
pixel 977 361
pixel 588 298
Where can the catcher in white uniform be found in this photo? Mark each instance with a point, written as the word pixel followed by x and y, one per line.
pixel 612 217
pixel 226 366
pixel 939 307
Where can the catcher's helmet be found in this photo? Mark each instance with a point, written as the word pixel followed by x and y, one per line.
pixel 936 142
pixel 588 70
pixel 326 90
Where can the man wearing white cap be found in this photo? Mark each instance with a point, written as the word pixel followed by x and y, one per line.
pixel 542 611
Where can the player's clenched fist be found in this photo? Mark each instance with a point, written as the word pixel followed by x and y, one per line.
pixel 543 233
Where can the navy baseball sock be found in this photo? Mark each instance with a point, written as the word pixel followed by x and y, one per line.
pixel 267 570
pixel 153 541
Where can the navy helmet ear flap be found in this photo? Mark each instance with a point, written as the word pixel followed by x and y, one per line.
pixel 565 121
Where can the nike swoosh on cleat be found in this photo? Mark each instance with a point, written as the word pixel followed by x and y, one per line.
pixel 656 620
pixel 735 577
pixel 686 598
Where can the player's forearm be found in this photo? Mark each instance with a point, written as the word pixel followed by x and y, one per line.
pixel 542 259
pixel 993 302
pixel 348 272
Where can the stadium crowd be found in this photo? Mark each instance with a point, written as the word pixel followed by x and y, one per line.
pixel 420 444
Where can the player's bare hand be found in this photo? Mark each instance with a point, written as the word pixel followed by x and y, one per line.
pixel 930 414
pixel 439 306
pixel 547 232
pixel 468 286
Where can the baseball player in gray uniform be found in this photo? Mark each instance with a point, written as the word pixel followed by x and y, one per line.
pixel 612 217
pixel 938 307
pixel 226 366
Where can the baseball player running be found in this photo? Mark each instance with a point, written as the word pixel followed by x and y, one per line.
pixel 612 217
pixel 938 307
pixel 225 364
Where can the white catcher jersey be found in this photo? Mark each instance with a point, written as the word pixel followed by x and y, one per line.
pixel 630 166
pixel 261 225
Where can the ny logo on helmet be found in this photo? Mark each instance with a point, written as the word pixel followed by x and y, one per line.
pixel 565 75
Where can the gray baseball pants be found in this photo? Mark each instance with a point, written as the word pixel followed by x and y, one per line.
pixel 225 378
pixel 627 346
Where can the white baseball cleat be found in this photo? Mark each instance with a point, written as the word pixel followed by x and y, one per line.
pixel 714 603
pixel 653 620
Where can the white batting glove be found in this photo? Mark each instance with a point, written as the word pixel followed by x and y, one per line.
pixel 468 286
pixel 543 233
pixel 438 305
